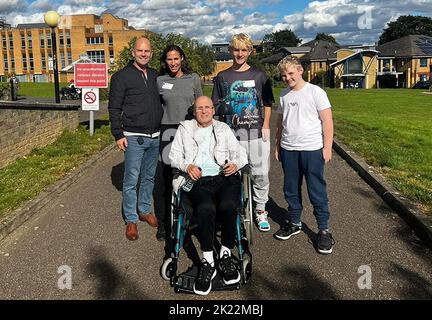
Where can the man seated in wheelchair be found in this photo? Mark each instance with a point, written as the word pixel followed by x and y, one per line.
pixel 206 151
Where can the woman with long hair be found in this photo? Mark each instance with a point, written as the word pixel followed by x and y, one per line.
pixel 178 87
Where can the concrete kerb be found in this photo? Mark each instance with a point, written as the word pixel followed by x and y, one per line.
pixel 17 217
pixel 410 213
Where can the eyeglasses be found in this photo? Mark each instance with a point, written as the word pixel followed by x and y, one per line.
pixel 203 108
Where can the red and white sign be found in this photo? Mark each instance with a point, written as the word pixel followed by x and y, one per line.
pixel 91 75
pixel 90 99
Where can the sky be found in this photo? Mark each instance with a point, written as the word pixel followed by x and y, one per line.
pixel 209 21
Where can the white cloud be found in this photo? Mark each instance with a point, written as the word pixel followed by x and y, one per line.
pixel 226 17
pixel 42 5
pixel 217 20
pixel 34 18
pixel 8 6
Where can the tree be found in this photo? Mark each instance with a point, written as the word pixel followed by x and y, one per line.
pixel 200 57
pixel 406 25
pixel 276 40
pixel 325 37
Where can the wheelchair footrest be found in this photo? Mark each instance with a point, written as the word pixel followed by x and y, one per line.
pixel 185 281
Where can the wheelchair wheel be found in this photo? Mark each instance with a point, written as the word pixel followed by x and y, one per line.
pixel 248 209
pixel 167 269
pixel 247 268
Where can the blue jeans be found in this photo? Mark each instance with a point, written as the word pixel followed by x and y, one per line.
pixel 140 159
pixel 308 164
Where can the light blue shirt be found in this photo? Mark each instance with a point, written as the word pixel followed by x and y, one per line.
pixel 205 160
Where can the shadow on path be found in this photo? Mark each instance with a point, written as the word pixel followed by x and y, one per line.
pixel 110 282
pixel 117 176
pixel 301 283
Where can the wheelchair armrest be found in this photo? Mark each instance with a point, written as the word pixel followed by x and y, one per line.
pixel 246 169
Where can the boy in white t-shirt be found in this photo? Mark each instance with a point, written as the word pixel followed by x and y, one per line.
pixel 304 139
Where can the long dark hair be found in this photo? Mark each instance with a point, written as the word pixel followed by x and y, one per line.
pixel 184 64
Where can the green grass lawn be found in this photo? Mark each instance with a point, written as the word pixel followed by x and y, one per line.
pixel 39 90
pixel 28 176
pixel 392 130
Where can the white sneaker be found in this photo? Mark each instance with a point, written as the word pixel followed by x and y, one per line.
pixel 262 220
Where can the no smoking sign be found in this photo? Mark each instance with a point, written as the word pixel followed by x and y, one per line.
pixel 90 99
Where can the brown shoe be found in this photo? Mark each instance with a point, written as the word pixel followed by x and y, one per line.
pixel 131 231
pixel 149 218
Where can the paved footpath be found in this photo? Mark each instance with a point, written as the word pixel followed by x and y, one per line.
pixel 82 229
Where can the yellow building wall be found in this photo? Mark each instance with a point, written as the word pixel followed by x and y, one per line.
pixel 79 27
pixel 314 67
pixel 343 53
pixel 220 66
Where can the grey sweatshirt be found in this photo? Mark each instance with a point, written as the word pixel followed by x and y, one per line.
pixel 178 94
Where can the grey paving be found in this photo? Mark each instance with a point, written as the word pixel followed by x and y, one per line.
pixel 82 228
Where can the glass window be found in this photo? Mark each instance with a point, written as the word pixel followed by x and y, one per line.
pixel 4 41
pixel 94 40
pixel 111 55
pixel 24 61
pixel 43 61
pixel 31 61
pixel 22 41
pixel 354 65
pixel 68 39
pixel 423 62
pixel 12 60
pixel 69 55
pixel 61 40
pixel 6 65
pixel 97 56
pixel 62 59
pixel 386 65
pixel 49 40
pixel 10 41
pixel 42 40
pixel 29 40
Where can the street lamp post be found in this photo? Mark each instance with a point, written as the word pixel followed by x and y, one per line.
pixel 52 19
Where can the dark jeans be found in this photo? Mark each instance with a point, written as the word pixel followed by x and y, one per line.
pixel 211 198
pixel 163 179
pixel 308 164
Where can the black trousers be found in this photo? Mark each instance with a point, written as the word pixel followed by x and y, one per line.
pixel 162 191
pixel 215 199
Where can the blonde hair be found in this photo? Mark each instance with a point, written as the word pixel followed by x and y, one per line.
pixel 289 61
pixel 241 40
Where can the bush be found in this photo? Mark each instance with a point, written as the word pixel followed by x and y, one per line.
pixel 4 90
pixel 103 94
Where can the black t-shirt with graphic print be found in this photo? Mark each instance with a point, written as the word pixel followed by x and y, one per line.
pixel 245 94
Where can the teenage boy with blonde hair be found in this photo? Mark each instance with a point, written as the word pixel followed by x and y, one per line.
pixel 247 93
pixel 304 139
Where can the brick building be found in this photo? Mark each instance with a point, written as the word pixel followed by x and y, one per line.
pixel 26 49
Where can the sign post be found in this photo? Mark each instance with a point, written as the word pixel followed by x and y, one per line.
pixel 90 77
pixel 90 102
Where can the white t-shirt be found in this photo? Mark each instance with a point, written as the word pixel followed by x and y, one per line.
pixel 204 159
pixel 301 125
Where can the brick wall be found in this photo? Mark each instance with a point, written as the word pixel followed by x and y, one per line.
pixel 24 127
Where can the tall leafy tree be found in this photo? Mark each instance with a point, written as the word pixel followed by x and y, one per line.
pixel 406 25
pixel 200 57
pixel 326 37
pixel 276 40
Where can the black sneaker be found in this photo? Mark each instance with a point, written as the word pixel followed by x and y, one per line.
pixel 287 231
pixel 228 269
pixel 325 242
pixel 203 281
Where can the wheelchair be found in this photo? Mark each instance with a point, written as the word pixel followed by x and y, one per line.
pixel 182 228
